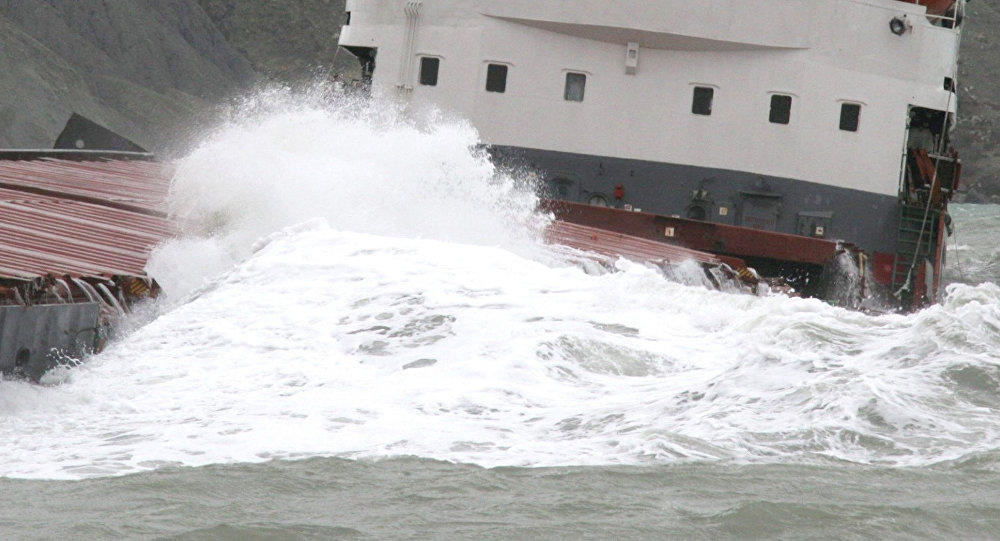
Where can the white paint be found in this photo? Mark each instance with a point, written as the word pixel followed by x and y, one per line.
pixel 331 246
pixel 822 52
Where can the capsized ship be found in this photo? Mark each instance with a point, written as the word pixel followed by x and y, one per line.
pixel 784 133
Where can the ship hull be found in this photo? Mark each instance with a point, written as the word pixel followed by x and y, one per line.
pixel 775 119
pixel 788 230
pixel 76 230
pixel 735 198
pixel 35 338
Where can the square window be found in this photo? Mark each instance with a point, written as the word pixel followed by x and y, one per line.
pixel 850 115
pixel 575 85
pixel 701 103
pixel 429 67
pixel 781 109
pixel 496 78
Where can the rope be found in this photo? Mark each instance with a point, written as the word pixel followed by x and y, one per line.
pixel 934 178
pixel 923 222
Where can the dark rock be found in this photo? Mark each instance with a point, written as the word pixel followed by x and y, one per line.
pixel 288 40
pixel 977 133
pixel 149 69
pixel 142 68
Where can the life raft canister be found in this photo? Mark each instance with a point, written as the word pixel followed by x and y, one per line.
pixel 934 7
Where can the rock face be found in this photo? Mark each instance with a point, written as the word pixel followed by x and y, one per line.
pixel 149 68
pixel 286 40
pixel 143 68
pixel 977 134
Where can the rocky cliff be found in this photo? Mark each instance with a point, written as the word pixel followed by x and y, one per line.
pixel 144 68
pixel 149 68
pixel 287 40
pixel 977 134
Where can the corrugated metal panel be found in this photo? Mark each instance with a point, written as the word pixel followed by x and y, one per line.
pixel 137 185
pixel 714 238
pixel 611 244
pixel 89 219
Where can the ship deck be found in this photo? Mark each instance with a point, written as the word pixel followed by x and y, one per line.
pixel 72 218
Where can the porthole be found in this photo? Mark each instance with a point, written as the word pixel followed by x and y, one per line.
pixel 598 200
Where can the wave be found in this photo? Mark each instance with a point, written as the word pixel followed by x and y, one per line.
pixel 356 285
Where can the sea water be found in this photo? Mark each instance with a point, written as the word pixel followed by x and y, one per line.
pixel 362 335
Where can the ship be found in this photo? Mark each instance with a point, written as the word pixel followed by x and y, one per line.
pixel 800 140
pixel 76 228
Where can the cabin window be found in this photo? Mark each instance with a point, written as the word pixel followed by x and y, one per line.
pixel 575 85
pixel 850 116
pixel 429 67
pixel 701 103
pixel 347 18
pixel 781 109
pixel 496 78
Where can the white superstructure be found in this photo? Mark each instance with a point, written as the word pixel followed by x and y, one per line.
pixel 821 54
pixel 826 119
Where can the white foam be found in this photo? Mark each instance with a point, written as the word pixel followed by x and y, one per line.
pixel 399 323
pixel 362 166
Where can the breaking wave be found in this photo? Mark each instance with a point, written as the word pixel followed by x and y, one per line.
pixel 358 285
pixel 363 166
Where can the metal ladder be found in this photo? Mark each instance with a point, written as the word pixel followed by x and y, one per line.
pixel 911 221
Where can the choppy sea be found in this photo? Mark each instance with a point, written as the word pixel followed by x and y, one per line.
pixel 362 336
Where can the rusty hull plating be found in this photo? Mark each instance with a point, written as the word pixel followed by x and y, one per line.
pixel 791 264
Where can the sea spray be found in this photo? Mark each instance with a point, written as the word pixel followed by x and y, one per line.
pixel 362 165
pixel 406 321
